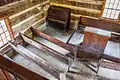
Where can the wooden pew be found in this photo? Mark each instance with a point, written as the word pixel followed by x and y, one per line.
pixel 38 60
pixel 53 40
pixel 43 47
pixel 101 24
pixel 81 50
pixel 114 28
pixel 19 70
pixel 73 54
pixel 59 17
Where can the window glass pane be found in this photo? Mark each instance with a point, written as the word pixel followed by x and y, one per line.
pixel 116 15
pixel 107 1
pixel 8 38
pixel 7 33
pixel 112 16
pixel 5 40
pixel 3 36
pixel 106 5
pixel 112 1
pixel 113 7
pixel 1 43
pixel 4 28
pixel 118 7
pixel 1 31
pixel 4 33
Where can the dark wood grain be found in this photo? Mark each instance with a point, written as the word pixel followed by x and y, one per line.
pixel 95 41
pixel 18 70
pixel 38 60
pixel 53 40
pixel 59 17
pixel 97 23
pixel 43 47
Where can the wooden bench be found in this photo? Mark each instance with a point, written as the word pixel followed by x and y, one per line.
pixel 111 65
pixel 101 24
pixel 59 17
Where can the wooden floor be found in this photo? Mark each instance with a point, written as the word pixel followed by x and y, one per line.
pixel 113 49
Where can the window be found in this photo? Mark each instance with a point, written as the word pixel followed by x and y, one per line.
pixel 112 9
pixel 5 33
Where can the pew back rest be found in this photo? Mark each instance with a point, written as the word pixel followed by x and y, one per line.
pixel 59 15
pixel 109 26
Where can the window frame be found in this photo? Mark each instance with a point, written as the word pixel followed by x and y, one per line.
pixel 107 8
pixel 9 29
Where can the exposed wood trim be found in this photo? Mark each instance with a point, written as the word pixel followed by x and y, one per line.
pixel 41 46
pixel 8 24
pixel 87 2
pixel 76 8
pixel 78 16
pixel 55 41
pixel 38 60
pixel 102 9
pixel 26 10
pixel 18 70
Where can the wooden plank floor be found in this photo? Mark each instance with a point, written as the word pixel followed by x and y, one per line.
pixel 112 49
pixel 58 34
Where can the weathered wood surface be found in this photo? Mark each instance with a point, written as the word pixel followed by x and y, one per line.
pixel 100 24
pixel 112 49
pixel 108 74
pixel 95 42
pixel 81 49
pixel 4 75
pixel 109 65
pixel 18 70
pixel 40 61
pixel 76 38
pixel 3 2
pixel 49 38
pixel 41 46
pixel 59 14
